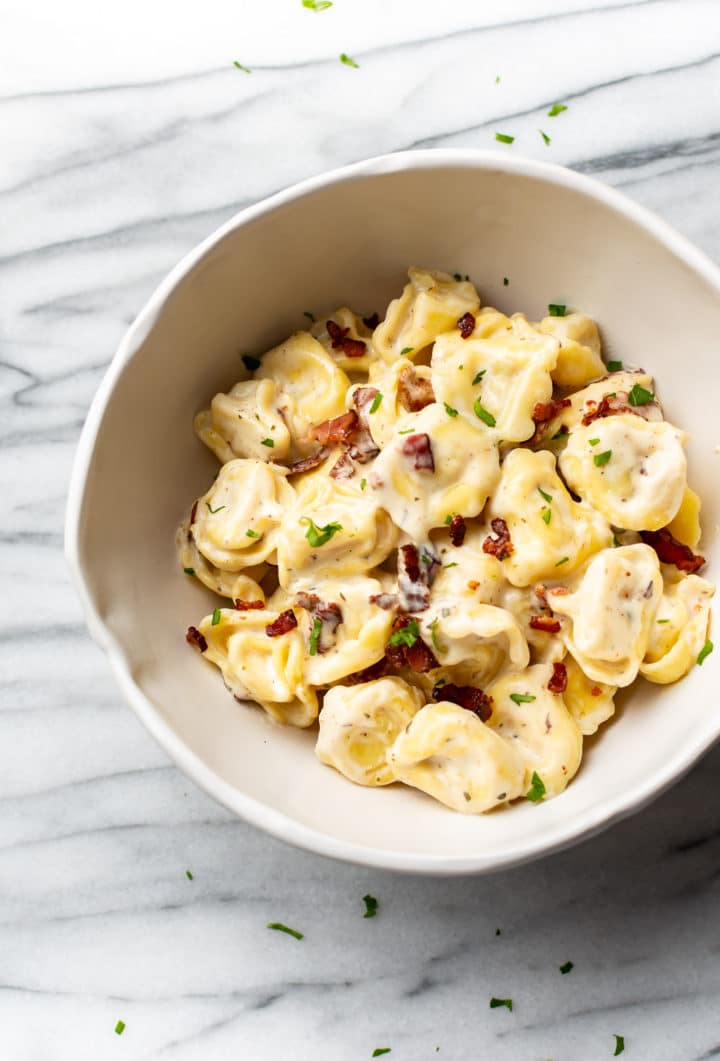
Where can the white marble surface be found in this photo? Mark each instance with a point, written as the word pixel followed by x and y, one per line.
pixel 126 137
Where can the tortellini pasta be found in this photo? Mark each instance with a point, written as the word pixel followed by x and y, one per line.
pixel 449 537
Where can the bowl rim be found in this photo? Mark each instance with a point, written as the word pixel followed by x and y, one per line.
pixel 278 824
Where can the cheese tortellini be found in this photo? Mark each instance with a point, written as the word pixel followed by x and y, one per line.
pixel 447 537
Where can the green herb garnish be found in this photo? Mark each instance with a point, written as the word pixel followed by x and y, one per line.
pixel 376 402
pixel 406 635
pixel 545 137
pixel 522 698
pixel 544 496
pixel 506 282
pixel 619 1044
pixel 318 536
pixel 663 620
pixel 640 396
pixel 407 350
pixel 120 1027
pixel 563 561
pixel 241 67
pixel 214 510
pixel 449 410
pixel 310 316
pixel 363 484
pixel 278 926
pixel 251 533
pixel 267 442
pixel 537 788
pixel 315 637
pixel 407 431
pixel 189 570
pixel 371 905
pixel 602 458
pixel 317 5
pixel 478 376
pixel 614 366
pixel 547 515
pixel 557 108
pixel 482 414
pixel 250 362
pixel 348 61
pixel 593 441
pixel 448 520
pixel 564 969
pixel 188 874
pixel 557 435
pixel 556 309
pixel 705 652
pixel 503 138
pixel 452 564
pixel 495 1003
pixel 457 276
pixel 216 617
pixel 380 1050
pixel 434 637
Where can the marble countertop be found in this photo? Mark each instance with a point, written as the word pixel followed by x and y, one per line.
pixel 127 136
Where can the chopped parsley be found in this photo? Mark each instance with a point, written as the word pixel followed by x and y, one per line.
pixel 315 637
pixel 251 533
pixel 640 396
pixel 563 561
pixel 482 414
pixel 407 431
pixel 478 376
pixel 547 515
pixel 407 350
pixel 310 316
pixel 556 309
pixel 189 570
pixel 498 932
pixel 593 441
pixel 506 282
pixel 120 1027
pixel 614 366
pixel 619 1045
pixel 663 620
pixel 267 442
pixel 544 496
pixel 189 875
pixel 537 788
pixel 376 402
pixel 214 510
pixel 557 108
pixel 496 1003
pixel 406 635
pixel 522 698
pixel 557 435
pixel 380 1050
pixel 241 67
pixel 318 536
pixel 216 617
pixel 457 276
pixel 705 652
pixel 503 138
pixel 452 564
pixel 449 410
pixel 250 362
pixel 371 905
pixel 348 61
pixel 566 967
pixel 545 137
pixel 448 520
pixel 363 484
pixel 433 634
pixel 278 926
pixel 317 5
pixel 602 458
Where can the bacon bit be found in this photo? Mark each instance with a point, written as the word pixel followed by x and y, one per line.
pixel 338 429
pixel 387 601
pixel 363 397
pixel 369 674
pixel 284 623
pixel 195 638
pixel 418 449
pixel 417 657
pixel 457 530
pixel 670 551
pixel 307 463
pixel 193 512
pixel 541 592
pixel 609 405
pixel 340 340
pixel 414 391
pixel 415 576
pixel 545 623
pixel 248 605
pixel 558 679
pixel 467 696
pixel 363 448
pixel 372 321
pixel 329 614
pixel 342 468
pixel 473 585
pixel 466 324
pixel 595 691
pixel 500 546
pixel 559 591
pixel 543 413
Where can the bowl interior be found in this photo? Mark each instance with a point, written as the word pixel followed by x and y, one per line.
pixel 350 242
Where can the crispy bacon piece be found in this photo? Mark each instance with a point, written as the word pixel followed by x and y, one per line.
pixel 609 405
pixel 248 605
pixel 457 530
pixel 372 321
pixel 341 341
pixel 417 657
pixel 195 638
pixel 416 570
pixel 284 623
pixel 543 413
pixel 466 324
pixel 418 449
pixel 595 691
pixel 558 679
pixel 499 546
pixel 414 391
pixel 369 674
pixel 328 613
pixel 343 467
pixel 671 551
pixel 338 429
pixel 546 623
pixel 307 463
pixel 387 601
pixel 467 696
pixel 362 444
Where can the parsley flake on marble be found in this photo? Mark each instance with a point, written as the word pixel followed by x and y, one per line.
pixel 619 1045
pixel 496 1003
pixel 120 1027
pixel 503 138
pixel 317 5
pixel 240 66
pixel 556 309
pixel 278 926
pixel 545 137
pixel 557 108
pixel 566 967
pixel 371 905
pixel 347 61
pixel 614 366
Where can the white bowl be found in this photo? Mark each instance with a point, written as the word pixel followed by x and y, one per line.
pixel 348 237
